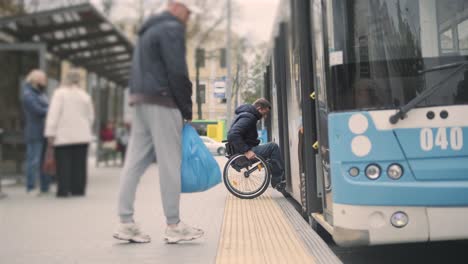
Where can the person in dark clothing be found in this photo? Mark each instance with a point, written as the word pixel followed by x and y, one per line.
pixel 123 135
pixel 243 136
pixel 35 106
pixel 161 94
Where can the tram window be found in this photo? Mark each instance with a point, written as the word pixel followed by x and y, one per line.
pixel 446 41
pixel 386 45
pixel 330 25
pixel 452 20
pixel 463 35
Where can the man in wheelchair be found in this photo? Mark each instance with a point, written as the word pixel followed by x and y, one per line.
pixel 243 137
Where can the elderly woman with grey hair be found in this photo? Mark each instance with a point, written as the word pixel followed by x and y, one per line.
pixel 35 106
pixel 69 130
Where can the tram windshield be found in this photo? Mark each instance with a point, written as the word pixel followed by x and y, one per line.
pixel 389 51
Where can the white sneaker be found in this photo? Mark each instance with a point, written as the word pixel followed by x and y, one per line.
pixel 131 232
pixel 182 232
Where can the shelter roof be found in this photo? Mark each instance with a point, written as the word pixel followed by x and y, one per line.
pixel 79 34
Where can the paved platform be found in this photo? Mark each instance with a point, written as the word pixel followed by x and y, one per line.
pixel 256 231
pixel 79 230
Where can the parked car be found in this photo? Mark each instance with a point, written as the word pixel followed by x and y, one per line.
pixel 214 146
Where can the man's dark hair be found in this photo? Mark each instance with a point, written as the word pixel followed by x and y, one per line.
pixel 262 103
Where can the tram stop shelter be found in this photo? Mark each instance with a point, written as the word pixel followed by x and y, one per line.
pixel 79 34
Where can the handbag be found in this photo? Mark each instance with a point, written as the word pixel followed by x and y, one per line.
pixel 49 166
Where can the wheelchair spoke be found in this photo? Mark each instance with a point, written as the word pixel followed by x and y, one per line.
pixel 246 178
pixel 258 180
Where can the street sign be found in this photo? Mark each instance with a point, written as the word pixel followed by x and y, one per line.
pixel 220 89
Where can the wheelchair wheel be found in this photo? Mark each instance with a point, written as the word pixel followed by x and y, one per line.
pixel 246 179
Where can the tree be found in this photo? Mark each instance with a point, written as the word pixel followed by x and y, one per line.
pixel 255 83
pixel 139 9
pixel 241 69
pixel 200 26
pixel 146 8
pixel 199 30
pixel 108 6
pixel 11 7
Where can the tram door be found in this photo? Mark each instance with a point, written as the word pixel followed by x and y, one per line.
pixel 282 73
pixel 320 84
pixel 294 113
pixel 306 126
pixel 301 114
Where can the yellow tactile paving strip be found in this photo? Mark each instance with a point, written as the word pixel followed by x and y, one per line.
pixel 257 231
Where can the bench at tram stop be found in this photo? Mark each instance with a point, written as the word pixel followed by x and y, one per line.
pixel 108 156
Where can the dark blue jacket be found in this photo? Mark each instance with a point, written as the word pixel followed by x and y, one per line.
pixel 159 67
pixel 243 133
pixel 35 105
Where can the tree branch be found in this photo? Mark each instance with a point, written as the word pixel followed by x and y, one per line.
pixel 206 34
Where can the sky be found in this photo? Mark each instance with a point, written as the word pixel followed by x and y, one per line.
pixel 255 20
pixel 257 17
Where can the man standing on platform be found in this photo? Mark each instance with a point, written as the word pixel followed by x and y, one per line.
pixel 160 92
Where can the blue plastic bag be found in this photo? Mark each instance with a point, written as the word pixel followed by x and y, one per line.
pixel 200 171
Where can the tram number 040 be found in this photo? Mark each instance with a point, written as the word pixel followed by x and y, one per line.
pixel 444 138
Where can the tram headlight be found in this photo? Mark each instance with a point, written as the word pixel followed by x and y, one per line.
pixel 395 171
pixel 373 171
pixel 399 219
pixel 353 172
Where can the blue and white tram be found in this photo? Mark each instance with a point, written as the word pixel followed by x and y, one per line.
pixel 370 108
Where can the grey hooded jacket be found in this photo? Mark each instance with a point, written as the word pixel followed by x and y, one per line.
pixel 159 69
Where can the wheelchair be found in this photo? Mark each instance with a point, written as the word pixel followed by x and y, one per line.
pixel 244 178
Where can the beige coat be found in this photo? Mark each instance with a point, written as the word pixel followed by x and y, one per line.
pixel 70 117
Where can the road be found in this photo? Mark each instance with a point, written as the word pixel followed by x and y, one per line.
pixel 445 252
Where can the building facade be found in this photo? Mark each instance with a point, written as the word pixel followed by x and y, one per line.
pixel 212 75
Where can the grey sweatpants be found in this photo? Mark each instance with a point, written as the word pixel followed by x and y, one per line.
pixel 156 132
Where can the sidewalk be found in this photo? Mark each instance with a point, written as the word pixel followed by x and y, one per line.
pixel 79 230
